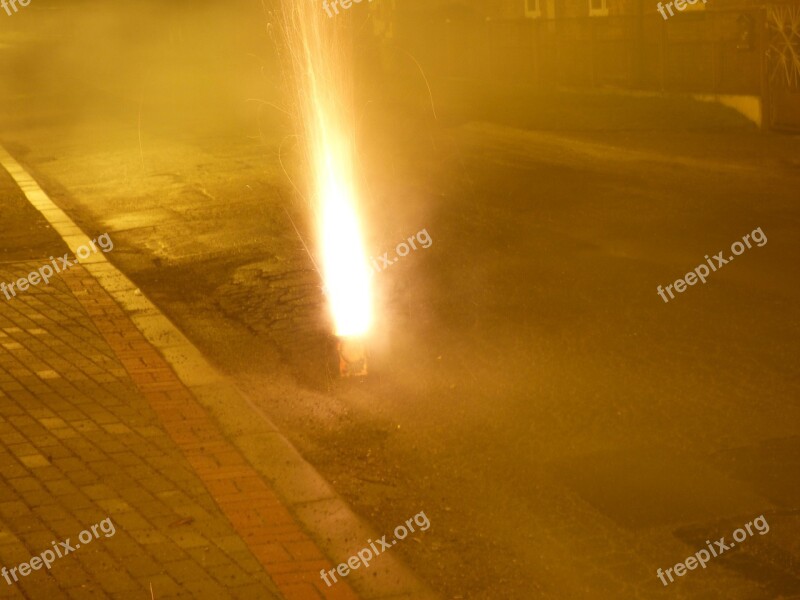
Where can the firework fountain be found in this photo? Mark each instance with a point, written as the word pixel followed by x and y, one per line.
pixel 319 50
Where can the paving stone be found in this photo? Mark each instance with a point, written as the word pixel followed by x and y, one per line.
pixel 98 491
pixel 23 484
pixel 86 593
pixel 163 586
pixel 95 424
pixel 44 586
pixel 141 565
pixel 13 509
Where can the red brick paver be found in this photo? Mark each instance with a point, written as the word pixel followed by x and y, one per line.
pixel 79 443
pixel 291 558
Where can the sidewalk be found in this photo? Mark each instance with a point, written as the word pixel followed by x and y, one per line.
pixel 94 423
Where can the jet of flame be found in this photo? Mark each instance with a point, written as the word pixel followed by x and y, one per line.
pixel 318 51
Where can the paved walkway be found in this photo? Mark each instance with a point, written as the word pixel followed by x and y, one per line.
pixel 94 424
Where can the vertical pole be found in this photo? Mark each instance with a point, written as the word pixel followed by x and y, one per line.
pixel 448 48
pixel 662 56
pixel 762 39
pixel 535 56
pixel 593 51
pixel 637 48
pixel 716 54
pixel 489 49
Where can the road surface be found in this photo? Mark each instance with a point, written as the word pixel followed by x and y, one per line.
pixel 566 431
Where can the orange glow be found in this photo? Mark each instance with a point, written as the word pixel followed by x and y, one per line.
pixel 321 77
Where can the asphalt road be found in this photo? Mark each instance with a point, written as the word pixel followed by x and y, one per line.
pixel 566 431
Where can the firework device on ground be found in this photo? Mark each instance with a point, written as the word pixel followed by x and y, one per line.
pixel 352 357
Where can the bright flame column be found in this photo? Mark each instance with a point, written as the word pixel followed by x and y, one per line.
pixel 318 48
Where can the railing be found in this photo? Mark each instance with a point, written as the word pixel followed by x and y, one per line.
pixel 703 51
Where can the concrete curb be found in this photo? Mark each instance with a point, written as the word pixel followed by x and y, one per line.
pixel 316 506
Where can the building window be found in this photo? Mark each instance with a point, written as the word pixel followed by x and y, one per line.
pixel 598 8
pixel 532 8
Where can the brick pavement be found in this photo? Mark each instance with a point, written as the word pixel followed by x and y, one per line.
pixel 94 424
pixel 78 443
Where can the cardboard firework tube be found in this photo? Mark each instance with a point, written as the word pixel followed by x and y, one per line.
pixel 352 357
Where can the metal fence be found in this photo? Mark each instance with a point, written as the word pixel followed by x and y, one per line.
pixel 709 52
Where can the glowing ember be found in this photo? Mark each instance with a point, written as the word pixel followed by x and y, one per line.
pixel 317 49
